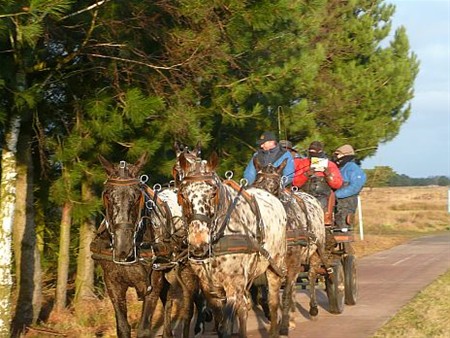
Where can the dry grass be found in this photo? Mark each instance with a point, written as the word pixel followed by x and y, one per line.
pixel 391 217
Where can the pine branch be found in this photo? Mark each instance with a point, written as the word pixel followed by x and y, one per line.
pixel 133 61
pixel 97 4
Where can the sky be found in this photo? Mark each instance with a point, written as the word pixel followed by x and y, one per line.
pixel 422 147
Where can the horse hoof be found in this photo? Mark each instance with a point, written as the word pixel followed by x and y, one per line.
pixel 144 334
pixel 199 329
pixel 208 315
pixel 314 311
pixel 284 332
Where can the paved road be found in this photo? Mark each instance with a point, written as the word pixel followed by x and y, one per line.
pixel 387 281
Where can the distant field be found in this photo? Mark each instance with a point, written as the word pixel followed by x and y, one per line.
pixel 393 215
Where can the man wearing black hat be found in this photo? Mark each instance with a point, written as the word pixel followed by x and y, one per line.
pixel 318 176
pixel 270 152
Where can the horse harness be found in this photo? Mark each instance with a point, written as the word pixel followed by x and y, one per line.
pixel 222 244
pixel 149 204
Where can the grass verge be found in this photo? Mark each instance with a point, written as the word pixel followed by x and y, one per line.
pixel 427 315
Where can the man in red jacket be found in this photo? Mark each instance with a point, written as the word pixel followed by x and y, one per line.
pixel 318 176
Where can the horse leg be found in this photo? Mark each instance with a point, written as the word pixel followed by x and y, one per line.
pixel 242 308
pixel 203 312
pixel 229 311
pixel 189 285
pixel 154 291
pixel 312 276
pixel 264 300
pixel 117 294
pixel 167 331
pixel 274 281
pixel 287 302
pixel 216 306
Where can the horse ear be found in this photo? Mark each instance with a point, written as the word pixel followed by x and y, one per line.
pixel 282 166
pixel 178 148
pixel 108 166
pixel 256 164
pixel 213 161
pixel 184 164
pixel 198 149
pixel 140 164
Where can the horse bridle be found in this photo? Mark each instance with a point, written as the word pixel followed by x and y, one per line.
pixel 148 202
pixel 137 226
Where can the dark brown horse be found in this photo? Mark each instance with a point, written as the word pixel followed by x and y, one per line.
pixel 305 235
pixel 142 248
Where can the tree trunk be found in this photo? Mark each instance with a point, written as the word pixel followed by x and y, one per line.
pixel 27 256
pixel 64 259
pixel 84 283
pixel 8 202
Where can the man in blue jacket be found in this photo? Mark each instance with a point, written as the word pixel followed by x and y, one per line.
pixel 354 179
pixel 270 152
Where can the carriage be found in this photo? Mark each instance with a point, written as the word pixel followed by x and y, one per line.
pixel 337 268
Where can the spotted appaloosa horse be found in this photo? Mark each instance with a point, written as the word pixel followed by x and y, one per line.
pixel 139 218
pixel 234 236
pixel 305 237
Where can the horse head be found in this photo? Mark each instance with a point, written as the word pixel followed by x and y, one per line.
pixel 124 203
pixel 269 177
pixel 191 156
pixel 200 197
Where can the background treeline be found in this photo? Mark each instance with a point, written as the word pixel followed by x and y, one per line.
pixel 384 176
pixel 117 78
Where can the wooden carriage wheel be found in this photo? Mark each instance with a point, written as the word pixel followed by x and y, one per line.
pixel 351 287
pixel 335 286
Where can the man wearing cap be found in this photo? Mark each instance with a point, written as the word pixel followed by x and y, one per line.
pixel 318 176
pixel 354 180
pixel 270 152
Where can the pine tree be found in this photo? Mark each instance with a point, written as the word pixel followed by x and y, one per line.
pixel 21 26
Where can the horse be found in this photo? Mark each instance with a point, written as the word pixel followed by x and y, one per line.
pixel 138 244
pixel 234 236
pixel 305 236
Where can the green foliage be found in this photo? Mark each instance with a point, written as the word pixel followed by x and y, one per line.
pixel 380 176
pixel 405 181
